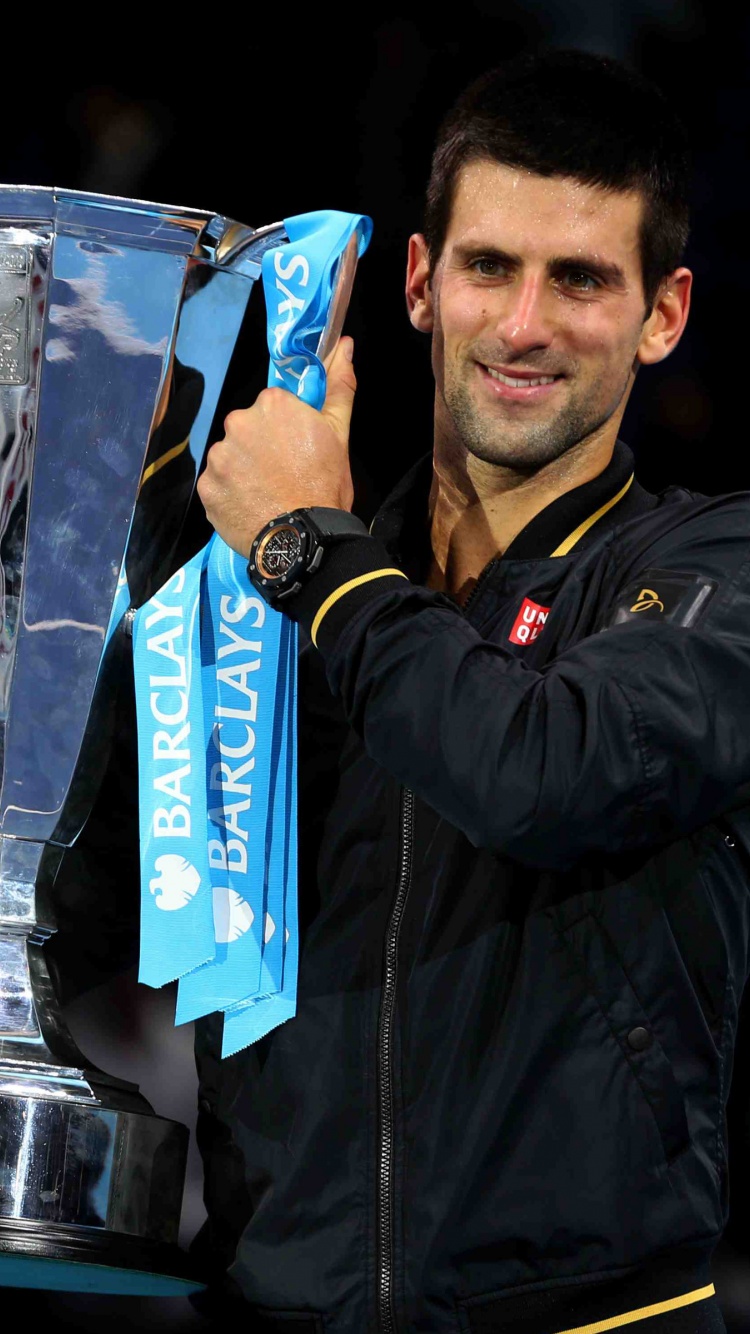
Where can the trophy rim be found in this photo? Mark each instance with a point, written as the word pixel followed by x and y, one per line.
pixel 123 202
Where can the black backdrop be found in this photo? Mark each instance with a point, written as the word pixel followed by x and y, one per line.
pixel 263 114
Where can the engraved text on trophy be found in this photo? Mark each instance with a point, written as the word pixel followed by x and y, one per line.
pixel 14 311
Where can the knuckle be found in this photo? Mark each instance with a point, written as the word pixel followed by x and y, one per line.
pixel 234 421
pixel 211 462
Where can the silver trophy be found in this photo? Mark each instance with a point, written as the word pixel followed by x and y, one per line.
pixel 114 314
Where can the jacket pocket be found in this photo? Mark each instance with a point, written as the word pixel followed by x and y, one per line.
pixel 610 1299
pixel 607 982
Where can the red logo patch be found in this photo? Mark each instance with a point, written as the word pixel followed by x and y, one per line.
pixel 529 622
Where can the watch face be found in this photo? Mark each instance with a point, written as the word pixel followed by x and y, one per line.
pixel 278 551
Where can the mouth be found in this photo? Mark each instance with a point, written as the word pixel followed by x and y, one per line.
pixel 518 386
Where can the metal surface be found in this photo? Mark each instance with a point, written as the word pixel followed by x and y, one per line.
pixel 15 293
pixel 118 319
pixel 96 1167
pixel 342 290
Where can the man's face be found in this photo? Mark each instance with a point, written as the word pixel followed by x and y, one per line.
pixel 537 313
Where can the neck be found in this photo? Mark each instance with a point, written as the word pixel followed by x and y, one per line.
pixel 477 508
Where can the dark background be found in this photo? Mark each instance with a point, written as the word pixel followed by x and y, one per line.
pixel 259 116
pixel 275 115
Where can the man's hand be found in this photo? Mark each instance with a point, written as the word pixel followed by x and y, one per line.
pixel 281 455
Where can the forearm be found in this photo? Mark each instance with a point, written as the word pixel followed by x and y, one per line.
pixel 625 740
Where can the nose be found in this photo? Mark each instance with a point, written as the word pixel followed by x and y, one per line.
pixel 525 320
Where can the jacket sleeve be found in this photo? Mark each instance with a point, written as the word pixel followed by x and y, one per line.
pixel 632 737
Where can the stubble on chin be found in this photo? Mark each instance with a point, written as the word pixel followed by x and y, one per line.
pixel 524 447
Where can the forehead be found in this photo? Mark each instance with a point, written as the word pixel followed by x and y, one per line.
pixel 542 216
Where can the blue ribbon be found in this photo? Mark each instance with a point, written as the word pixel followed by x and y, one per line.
pixel 298 282
pixel 216 700
pixel 176 900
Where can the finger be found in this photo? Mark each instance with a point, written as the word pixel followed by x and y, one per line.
pixel 340 388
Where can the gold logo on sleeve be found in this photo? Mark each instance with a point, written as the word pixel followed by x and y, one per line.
pixel 647 598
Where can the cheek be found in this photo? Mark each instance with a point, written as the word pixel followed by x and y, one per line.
pixel 462 314
pixel 602 343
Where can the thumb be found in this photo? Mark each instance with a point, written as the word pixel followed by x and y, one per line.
pixel 341 385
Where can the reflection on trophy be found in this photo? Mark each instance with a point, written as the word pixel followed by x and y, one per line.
pixel 118 320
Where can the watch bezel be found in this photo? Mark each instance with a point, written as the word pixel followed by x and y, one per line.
pixel 266 538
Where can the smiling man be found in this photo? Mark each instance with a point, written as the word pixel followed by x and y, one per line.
pixel 525 845
pixel 535 296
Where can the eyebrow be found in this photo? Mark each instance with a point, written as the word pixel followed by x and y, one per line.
pixel 608 271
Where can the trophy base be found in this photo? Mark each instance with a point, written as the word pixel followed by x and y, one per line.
pixel 81 1259
pixel 90 1196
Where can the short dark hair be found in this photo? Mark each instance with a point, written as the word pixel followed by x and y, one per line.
pixel 587 117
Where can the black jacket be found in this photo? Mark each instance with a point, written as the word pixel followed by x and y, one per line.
pixel 524 884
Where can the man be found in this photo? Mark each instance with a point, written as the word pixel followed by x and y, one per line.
pixel 501 1103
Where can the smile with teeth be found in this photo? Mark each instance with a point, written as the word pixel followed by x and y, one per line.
pixel 519 384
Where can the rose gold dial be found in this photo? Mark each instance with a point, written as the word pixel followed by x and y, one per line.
pixel 278 551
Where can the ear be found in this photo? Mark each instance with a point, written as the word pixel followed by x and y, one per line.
pixel 662 330
pixel 418 290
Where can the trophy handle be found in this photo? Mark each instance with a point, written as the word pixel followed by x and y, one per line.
pixel 342 291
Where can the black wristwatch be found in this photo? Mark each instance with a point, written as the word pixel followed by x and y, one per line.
pixel 288 550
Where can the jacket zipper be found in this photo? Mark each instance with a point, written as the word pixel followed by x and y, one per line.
pixel 479 585
pixel 385 1182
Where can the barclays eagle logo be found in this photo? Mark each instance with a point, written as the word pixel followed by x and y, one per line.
pixel 177 881
pixel 233 915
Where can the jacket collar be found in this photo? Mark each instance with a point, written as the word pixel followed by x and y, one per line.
pixel 572 521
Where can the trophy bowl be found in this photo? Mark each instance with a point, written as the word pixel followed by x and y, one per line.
pixel 118 319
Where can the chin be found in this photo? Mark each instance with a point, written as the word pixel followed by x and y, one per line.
pixel 520 456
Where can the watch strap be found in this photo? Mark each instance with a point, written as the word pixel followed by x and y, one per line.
pixel 332 523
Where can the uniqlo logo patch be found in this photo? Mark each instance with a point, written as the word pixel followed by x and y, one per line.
pixel 529 622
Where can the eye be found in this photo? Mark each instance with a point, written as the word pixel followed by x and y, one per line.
pixel 580 281
pixel 487 267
